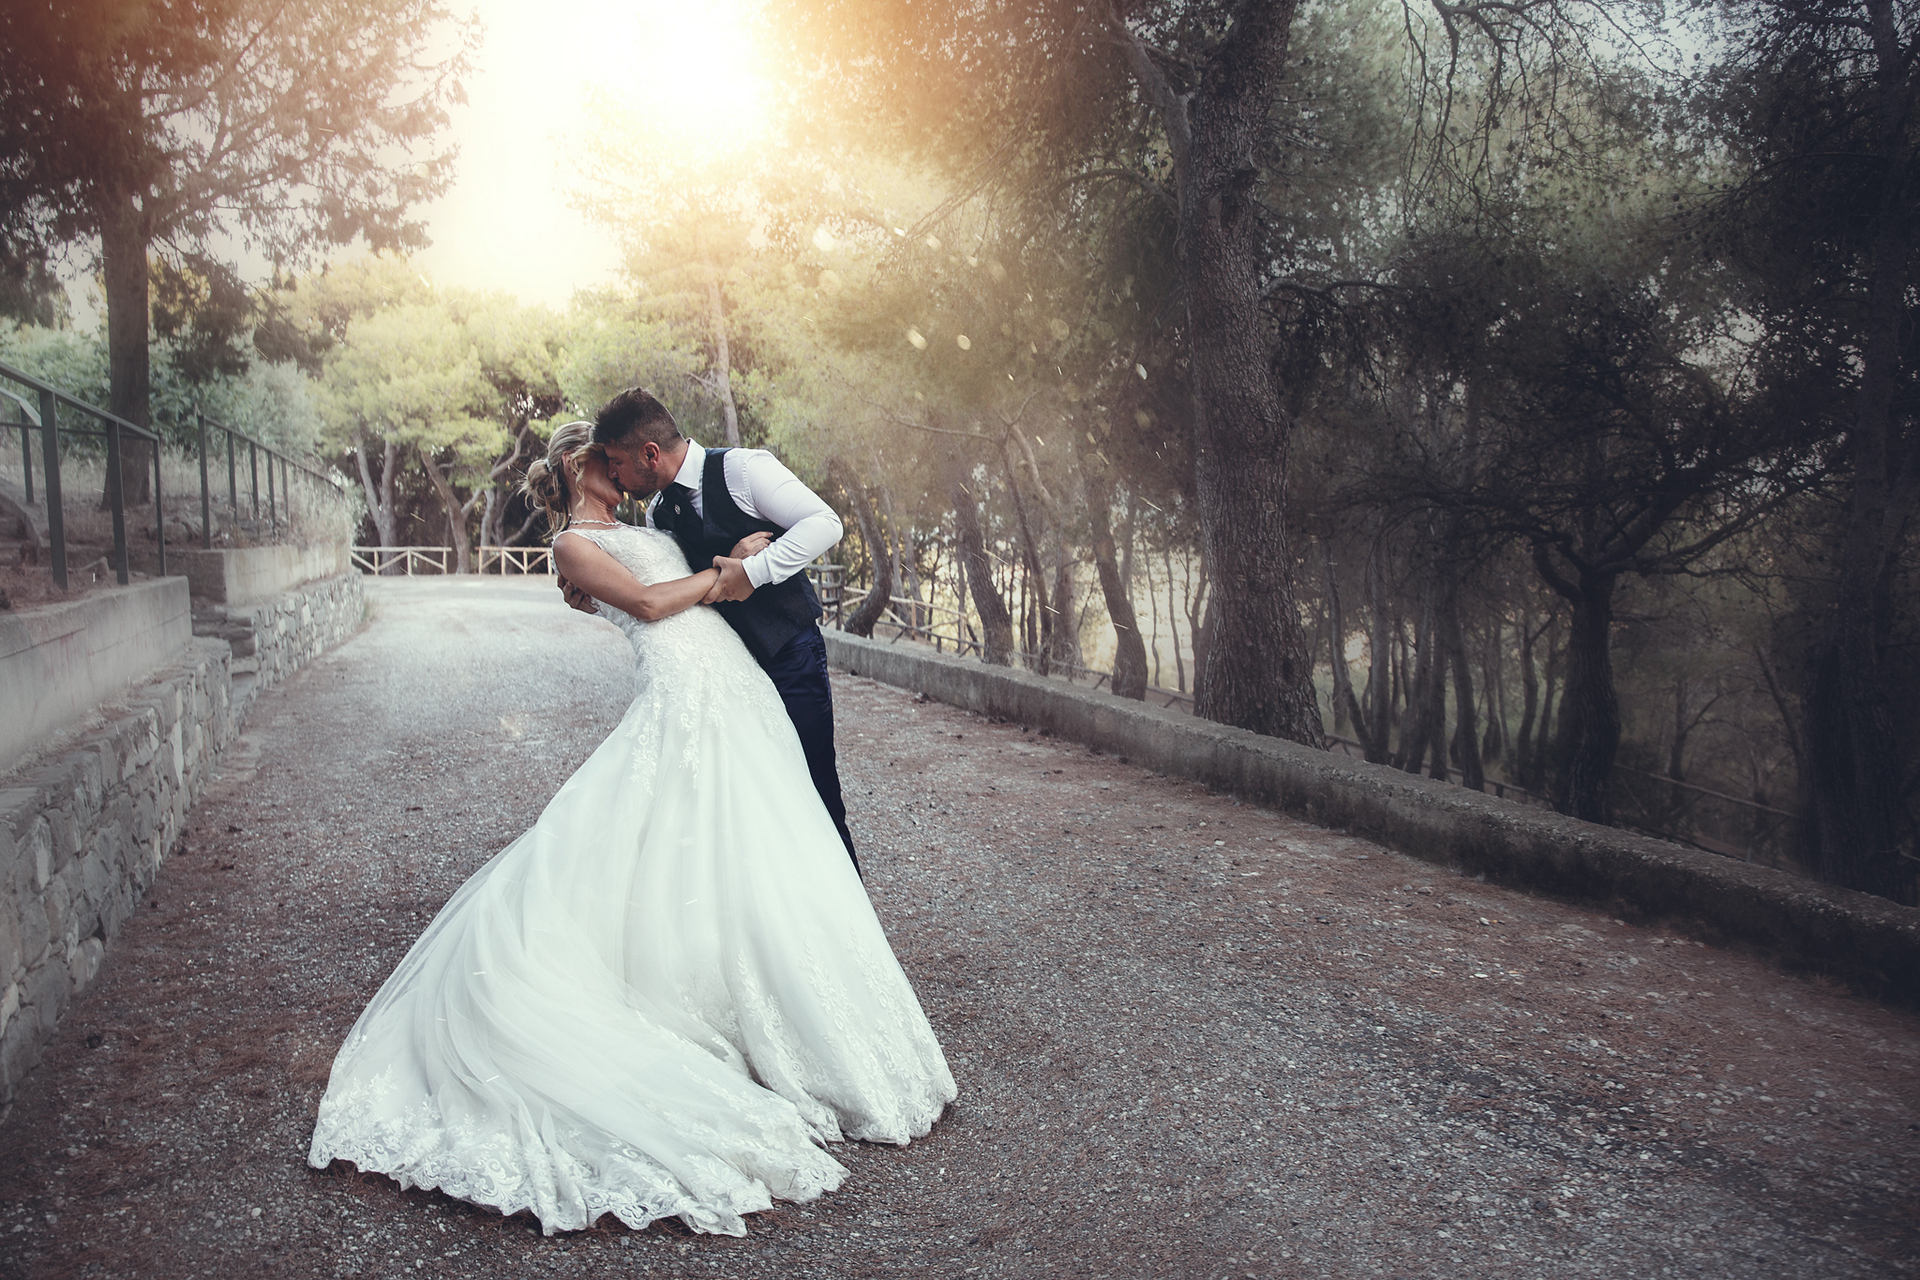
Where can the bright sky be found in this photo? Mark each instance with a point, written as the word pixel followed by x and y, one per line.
pixel 506 223
pixel 685 68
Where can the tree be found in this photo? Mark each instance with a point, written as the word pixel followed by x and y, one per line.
pixel 518 349
pixel 685 221
pixel 606 346
pixel 1824 100
pixel 1060 89
pixel 164 128
pixel 398 384
pixel 1214 99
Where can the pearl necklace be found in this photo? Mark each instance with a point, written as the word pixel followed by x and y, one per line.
pixel 611 524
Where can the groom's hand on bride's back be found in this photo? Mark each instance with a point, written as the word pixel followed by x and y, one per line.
pixel 751 545
pixel 575 597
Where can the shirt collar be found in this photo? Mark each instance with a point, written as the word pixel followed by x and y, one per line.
pixel 692 466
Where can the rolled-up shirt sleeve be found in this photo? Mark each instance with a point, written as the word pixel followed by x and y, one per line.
pixel 765 489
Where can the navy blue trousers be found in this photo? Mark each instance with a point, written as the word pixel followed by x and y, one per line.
pixel 799 672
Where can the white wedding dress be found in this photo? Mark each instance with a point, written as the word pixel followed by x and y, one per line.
pixel 665 996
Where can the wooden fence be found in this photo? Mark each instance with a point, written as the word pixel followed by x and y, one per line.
pixel 431 560
pixel 515 560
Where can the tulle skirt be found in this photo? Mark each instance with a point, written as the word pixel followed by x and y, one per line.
pixel 660 1001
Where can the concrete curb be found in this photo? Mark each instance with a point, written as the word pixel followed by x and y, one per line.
pixel 59 661
pixel 1868 942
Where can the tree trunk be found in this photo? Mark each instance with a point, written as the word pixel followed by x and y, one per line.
pixel 1129 653
pixel 1677 752
pixel 860 623
pixel 1466 736
pixel 456 514
pixel 1041 645
pixel 1153 619
pixel 996 623
pixel 1437 701
pixel 1343 696
pixel 1257 673
pixel 123 260
pixel 1417 729
pixel 1859 830
pixel 1529 704
pixel 1542 745
pixel 1380 657
pixel 1589 736
pixel 1173 625
pixel 493 519
pixel 1493 744
pixel 1066 624
pixel 379 492
pixel 722 356
pixel 1200 618
pixel 910 575
pixel 1402 702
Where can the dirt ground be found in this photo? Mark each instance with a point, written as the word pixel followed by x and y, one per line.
pixel 1193 1038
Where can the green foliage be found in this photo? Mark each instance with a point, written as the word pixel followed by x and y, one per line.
pixel 274 403
pixel 607 348
pixel 295 124
pixel 409 374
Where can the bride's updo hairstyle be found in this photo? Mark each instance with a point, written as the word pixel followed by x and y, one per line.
pixel 549 480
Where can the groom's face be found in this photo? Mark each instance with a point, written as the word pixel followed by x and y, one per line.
pixel 635 468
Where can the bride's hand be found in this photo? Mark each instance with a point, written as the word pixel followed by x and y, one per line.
pixel 751 545
pixel 713 595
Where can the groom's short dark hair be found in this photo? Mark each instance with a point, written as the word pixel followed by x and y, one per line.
pixel 634 417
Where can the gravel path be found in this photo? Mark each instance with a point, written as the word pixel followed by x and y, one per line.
pixel 1193 1038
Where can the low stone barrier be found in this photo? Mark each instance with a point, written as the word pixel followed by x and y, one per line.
pixel 273 638
pixel 250 575
pixel 84 831
pixel 1869 942
pixel 57 661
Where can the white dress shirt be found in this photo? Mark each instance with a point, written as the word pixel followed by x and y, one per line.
pixel 762 487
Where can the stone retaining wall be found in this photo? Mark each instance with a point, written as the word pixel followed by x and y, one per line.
pixel 1867 941
pixel 85 830
pixel 83 835
pixel 274 638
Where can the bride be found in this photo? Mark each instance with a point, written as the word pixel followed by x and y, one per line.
pixel 671 991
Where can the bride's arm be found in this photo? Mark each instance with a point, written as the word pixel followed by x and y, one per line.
pixel 604 578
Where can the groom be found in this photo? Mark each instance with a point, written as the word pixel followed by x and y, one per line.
pixel 711 500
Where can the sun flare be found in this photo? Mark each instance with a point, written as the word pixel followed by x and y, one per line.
pixel 686 75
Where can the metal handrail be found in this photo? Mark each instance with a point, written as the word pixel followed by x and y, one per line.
pixel 45 418
pixel 255 448
pixel 963 646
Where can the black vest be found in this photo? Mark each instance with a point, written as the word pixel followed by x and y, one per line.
pixel 773 614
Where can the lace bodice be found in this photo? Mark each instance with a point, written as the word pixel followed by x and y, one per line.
pixel 651 556
pixel 690 666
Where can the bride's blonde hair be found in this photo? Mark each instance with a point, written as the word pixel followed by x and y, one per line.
pixel 550 480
